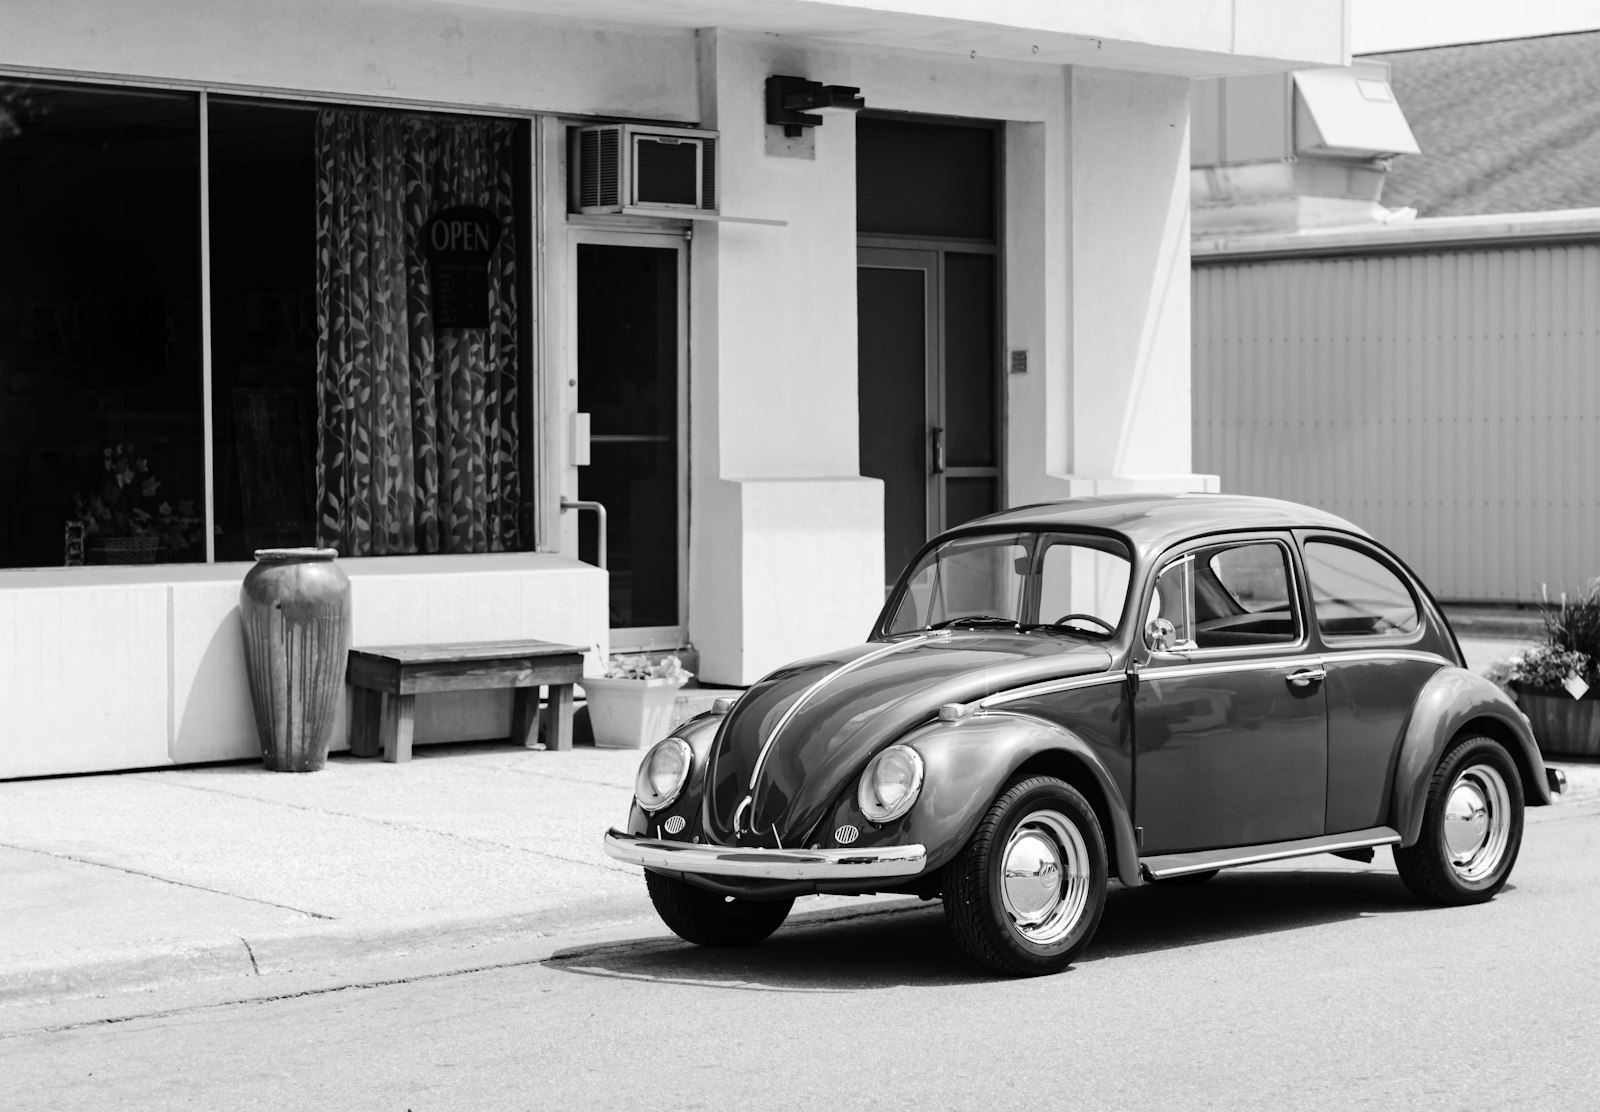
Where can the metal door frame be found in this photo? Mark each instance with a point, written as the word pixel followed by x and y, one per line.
pixel 636 638
pixel 928 256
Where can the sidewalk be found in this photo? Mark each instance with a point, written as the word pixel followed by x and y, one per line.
pixel 120 881
pixel 124 881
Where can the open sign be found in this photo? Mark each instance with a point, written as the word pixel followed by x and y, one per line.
pixel 459 242
pixel 465 230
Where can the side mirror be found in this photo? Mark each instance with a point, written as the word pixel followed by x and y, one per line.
pixel 1160 635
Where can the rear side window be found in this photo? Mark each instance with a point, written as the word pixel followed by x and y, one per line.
pixel 1356 595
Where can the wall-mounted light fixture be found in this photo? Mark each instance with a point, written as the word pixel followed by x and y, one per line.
pixel 789 99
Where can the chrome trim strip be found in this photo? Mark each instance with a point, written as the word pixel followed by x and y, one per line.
pixel 1177 864
pixel 765 864
pixel 1335 656
pixel 805 696
pixel 1153 673
pixel 1048 687
pixel 1207 667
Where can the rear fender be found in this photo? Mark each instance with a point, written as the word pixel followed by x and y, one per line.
pixel 968 762
pixel 1454 700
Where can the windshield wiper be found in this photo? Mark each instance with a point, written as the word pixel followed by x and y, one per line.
pixel 974 620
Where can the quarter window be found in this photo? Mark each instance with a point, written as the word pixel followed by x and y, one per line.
pixel 1355 595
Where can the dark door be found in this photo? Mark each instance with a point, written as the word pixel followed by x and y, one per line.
pixel 927 311
pixel 628 350
pixel 1230 722
pixel 898 393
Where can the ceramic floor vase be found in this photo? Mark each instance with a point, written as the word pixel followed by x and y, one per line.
pixel 295 610
pixel 1563 726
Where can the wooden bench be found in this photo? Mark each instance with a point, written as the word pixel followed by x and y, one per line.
pixel 388 679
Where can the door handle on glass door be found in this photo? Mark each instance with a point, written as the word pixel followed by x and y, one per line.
pixel 1307 676
pixel 938 451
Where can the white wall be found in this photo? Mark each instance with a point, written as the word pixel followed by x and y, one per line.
pixel 786 536
pixel 1099 221
pixel 415 51
pixel 774 402
pixel 1446 400
pixel 137 668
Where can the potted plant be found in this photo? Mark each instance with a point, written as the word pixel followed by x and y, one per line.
pixel 633 702
pixel 1557 681
pixel 122 521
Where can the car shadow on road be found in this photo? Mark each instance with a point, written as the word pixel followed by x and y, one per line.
pixel 906 943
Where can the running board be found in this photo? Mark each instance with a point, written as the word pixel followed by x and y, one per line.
pixel 1199 861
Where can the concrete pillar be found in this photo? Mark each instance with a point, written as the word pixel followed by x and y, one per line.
pixel 786 537
pixel 1108 410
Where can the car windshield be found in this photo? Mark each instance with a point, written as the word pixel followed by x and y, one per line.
pixel 1074 583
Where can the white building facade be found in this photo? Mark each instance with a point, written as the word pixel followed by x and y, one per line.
pixel 218 278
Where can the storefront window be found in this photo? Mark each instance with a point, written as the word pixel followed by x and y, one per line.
pixel 263 182
pixel 367 331
pixel 101 430
pixel 417 340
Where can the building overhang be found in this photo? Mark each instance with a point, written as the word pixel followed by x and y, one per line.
pixel 1206 38
pixel 1433 233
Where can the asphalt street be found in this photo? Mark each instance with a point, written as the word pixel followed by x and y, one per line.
pixel 1312 984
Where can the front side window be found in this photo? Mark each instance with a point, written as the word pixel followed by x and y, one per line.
pixel 1223 597
pixel 1077 585
pixel 1355 595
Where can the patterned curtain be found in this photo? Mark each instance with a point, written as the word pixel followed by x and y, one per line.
pixel 417 428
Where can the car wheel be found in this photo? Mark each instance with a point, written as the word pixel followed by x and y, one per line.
pixel 1025 895
pixel 708 919
pixel 1471 826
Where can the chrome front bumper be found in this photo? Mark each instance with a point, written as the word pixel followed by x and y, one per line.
pixel 765 864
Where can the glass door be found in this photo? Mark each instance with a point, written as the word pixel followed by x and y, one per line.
pixel 630 346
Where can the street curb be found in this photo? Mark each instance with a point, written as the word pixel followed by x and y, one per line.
pixel 323 944
pixel 300 949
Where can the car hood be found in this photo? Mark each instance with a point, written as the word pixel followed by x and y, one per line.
pixel 795 738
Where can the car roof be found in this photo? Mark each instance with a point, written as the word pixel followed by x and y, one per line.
pixel 1153 522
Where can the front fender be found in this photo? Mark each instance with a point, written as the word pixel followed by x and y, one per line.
pixel 968 762
pixel 700 732
pixel 1453 699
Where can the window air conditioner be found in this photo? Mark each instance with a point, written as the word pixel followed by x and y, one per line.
pixel 637 168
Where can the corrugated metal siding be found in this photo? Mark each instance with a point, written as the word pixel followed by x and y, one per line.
pixel 1448 402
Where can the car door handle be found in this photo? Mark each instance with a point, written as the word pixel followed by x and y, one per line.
pixel 1305 677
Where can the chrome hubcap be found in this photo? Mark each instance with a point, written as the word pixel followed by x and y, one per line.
pixel 1477 822
pixel 1044 883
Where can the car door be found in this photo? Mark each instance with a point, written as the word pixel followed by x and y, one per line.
pixel 1378 653
pixel 1230 718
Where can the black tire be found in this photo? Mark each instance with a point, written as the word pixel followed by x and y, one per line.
pixel 1186 880
pixel 1474 770
pixel 707 919
pixel 1036 816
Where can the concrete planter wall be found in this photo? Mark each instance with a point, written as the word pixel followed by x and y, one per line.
pixel 627 714
pixel 1563 726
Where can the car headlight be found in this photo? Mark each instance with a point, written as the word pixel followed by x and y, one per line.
pixel 663 773
pixel 890 784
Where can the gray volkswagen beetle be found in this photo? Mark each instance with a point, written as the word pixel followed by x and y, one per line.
pixel 1149 689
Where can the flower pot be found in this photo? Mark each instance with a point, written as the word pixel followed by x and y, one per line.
pixel 1563 726
pixel 295 610
pixel 627 713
